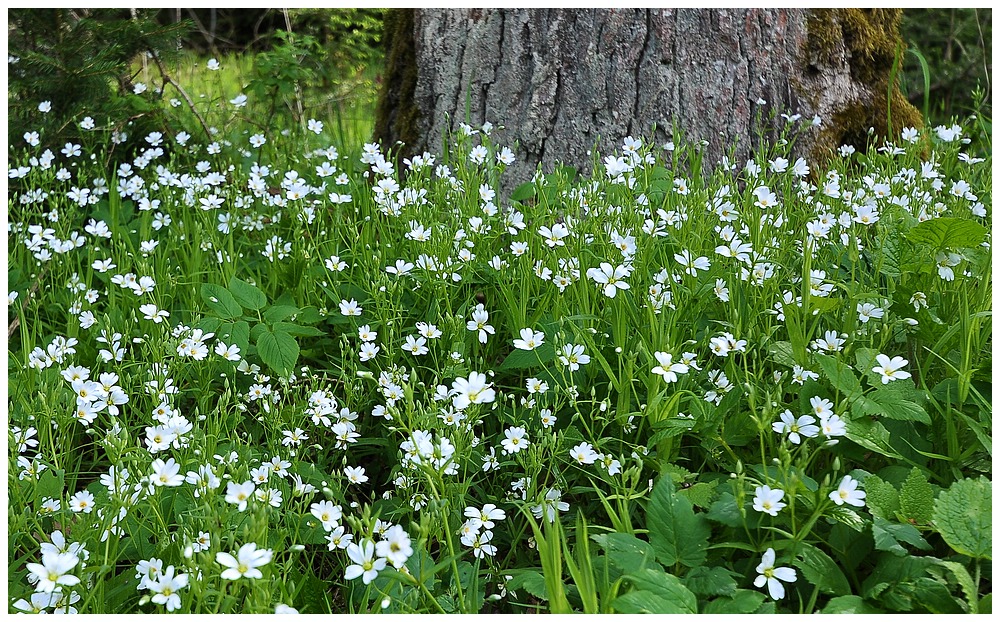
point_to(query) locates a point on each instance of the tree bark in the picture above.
(562, 80)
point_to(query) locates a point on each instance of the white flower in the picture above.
(890, 369)
(471, 390)
(848, 493)
(773, 576)
(550, 506)
(767, 500)
(213, 65)
(480, 317)
(54, 571)
(365, 565)
(529, 340)
(610, 277)
(584, 454)
(516, 440)
(245, 563)
(572, 356)
(395, 547)
(355, 475)
(239, 494)
(667, 368)
(794, 427)
(165, 587)
(350, 308)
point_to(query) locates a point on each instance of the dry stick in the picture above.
(31, 292)
(167, 78)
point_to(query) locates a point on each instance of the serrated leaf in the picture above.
(820, 570)
(715, 581)
(963, 515)
(533, 582)
(296, 330)
(888, 537)
(882, 498)
(743, 601)
(871, 435)
(849, 604)
(964, 580)
(891, 404)
(725, 511)
(677, 534)
(278, 313)
(278, 351)
(840, 375)
(656, 592)
(701, 494)
(916, 498)
(247, 295)
(220, 300)
(939, 233)
(237, 333)
(524, 359)
(625, 550)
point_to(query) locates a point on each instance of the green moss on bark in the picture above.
(870, 38)
(396, 115)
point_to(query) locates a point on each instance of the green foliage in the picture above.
(677, 533)
(916, 498)
(81, 61)
(964, 517)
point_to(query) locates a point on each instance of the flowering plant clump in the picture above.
(256, 370)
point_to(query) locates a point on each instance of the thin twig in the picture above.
(167, 78)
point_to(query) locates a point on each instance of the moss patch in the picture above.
(396, 114)
(871, 40)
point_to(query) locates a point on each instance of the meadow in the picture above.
(263, 366)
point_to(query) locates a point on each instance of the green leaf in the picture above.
(715, 581)
(916, 498)
(940, 233)
(965, 581)
(524, 191)
(50, 484)
(247, 295)
(871, 435)
(277, 313)
(656, 592)
(221, 301)
(523, 359)
(849, 604)
(532, 581)
(278, 351)
(298, 331)
(888, 536)
(840, 375)
(701, 494)
(743, 601)
(677, 534)
(891, 404)
(235, 333)
(820, 570)
(882, 498)
(963, 515)
(725, 511)
(625, 550)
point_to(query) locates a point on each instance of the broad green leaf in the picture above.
(916, 498)
(820, 570)
(963, 515)
(940, 233)
(532, 581)
(965, 581)
(249, 296)
(677, 534)
(882, 498)
(50, 484)
(524, 359)
(743, 601)
(871, 435)
(840, 375)
(278, 351)
(237, 333)
(888, 536)
(298, 331)
(725, 511)
(657, 592)
(715, 581)
(278, 313)
(625, 550)
(849, 604)
(523, 192)
(221, 301)
(891, 404)
(701, 494)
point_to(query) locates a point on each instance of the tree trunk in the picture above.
(562, 80)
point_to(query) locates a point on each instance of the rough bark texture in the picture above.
(562, 80)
